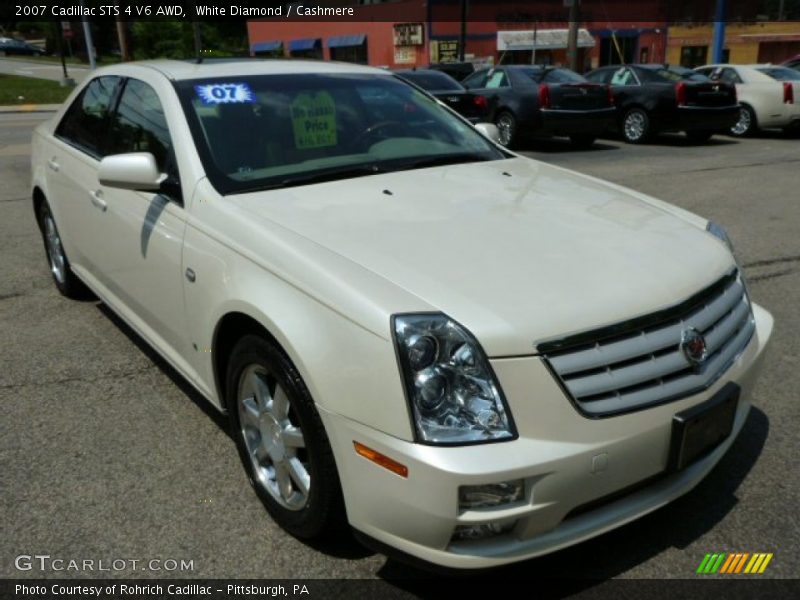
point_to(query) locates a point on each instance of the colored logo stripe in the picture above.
(735, 562)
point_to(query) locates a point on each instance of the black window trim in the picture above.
(176, 198)
(112, 109)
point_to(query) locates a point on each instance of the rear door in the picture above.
(625, 85)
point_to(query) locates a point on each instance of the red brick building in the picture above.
(408, 33)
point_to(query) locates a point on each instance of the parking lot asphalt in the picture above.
(105, 453)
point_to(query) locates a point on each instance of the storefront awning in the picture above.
(546, 39)
(266, 46)
(303, 45)
(346, 41)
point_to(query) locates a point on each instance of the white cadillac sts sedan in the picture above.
(471, 357)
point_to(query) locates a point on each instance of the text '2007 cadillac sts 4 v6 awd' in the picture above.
(470, 357)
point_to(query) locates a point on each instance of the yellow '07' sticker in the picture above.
(314, 120)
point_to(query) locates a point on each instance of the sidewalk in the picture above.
(29, 108)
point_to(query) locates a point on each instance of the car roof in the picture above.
(423, 71)
(209, 69)
(750, 66)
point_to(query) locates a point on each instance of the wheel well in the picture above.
(230, 329)
(38, 200)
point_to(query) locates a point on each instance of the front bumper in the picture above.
(577, 122)
(700, 118)
(558, 453)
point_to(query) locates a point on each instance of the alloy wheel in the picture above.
(274, 440)
(55, 251)
(744, 123)
(505, 127)
(634, 125)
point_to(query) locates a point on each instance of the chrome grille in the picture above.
(627, 368)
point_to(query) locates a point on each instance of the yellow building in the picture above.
(690, 45)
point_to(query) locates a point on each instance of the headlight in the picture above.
(453, 393)
(718, 231)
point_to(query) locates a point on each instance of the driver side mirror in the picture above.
(132, 171)
(489, 130)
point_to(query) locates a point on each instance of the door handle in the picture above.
(53, 164)
(97, 200)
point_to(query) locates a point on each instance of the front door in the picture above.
(142, 234)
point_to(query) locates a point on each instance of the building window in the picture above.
(306, 48)
(693, 56)
(620, 53)
(351, 54)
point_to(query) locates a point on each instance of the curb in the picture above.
(29, 108)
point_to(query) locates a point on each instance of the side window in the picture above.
(476, 80)
(139, 125)
(85, 123)
(623, 77)
(729, 76)
(498, 79)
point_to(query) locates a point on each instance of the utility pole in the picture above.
(198, 42)
(462, 42)
(87, 37)
(572, 37)
(122, 37)
(719, 33)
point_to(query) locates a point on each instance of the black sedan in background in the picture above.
(528, 101)
(11, 47)
(652, 98)
(449, 91)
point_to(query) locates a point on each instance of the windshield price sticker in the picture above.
(225, 93)
(314, 120)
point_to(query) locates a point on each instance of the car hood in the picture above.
(518, 251)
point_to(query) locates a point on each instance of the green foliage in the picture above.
(160, 39)
(175, 39)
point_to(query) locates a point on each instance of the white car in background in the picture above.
(768, 94)
(469, 356)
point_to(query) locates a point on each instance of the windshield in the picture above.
(432, 81)
(780, 73)
(268, 131)
(680, 74)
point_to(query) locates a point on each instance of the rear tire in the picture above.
(66, 281)
(635, 126)
(507, 126)
(281, 440)
(747, 124)
(699, 137)
(582, 142)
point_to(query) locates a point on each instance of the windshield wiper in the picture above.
(443, 159)
(317, 177)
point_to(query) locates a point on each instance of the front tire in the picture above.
(66, 281)
(635, 126)
(281, 440)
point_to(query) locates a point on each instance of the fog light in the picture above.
(490, 495)
(482, 531)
